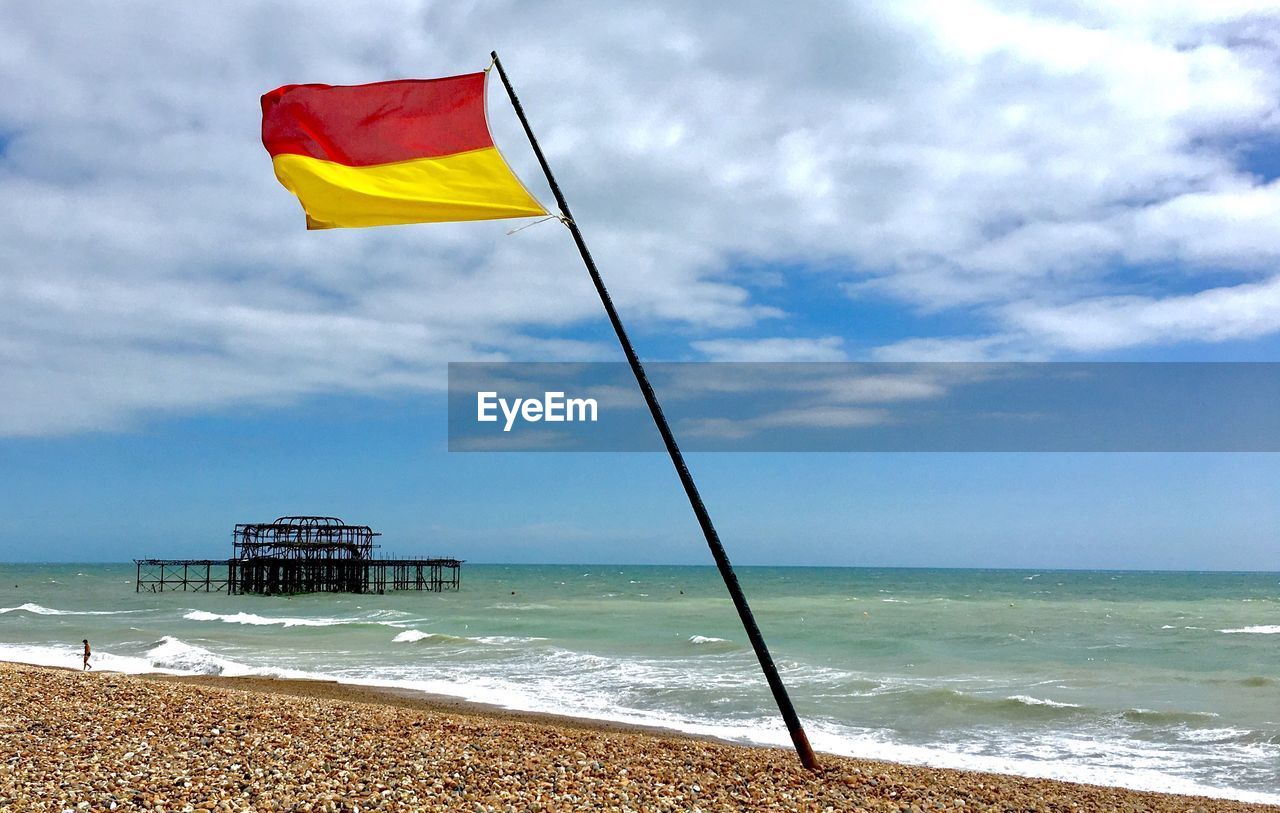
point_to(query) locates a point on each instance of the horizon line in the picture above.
(711, 566)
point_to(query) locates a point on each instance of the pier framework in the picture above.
(299, 555)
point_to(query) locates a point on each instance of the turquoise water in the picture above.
(1166, 681)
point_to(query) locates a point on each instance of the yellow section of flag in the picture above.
(474, 185)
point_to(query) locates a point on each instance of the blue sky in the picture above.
(912, 181)
(176, 489)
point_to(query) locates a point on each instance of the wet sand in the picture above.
(103, 741)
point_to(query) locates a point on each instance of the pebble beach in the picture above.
(101, 741)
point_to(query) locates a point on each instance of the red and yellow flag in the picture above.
(409, 151)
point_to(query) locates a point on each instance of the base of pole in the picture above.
(805, 751)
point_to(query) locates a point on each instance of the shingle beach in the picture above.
(102, 741)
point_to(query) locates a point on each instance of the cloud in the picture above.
(827, 348)
(959, 349)
(961, 155)
(1105, 323)
(808, 418)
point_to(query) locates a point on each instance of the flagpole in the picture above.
(780, 696)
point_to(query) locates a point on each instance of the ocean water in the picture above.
(1160, 681)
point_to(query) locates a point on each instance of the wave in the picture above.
(168, 656)
(68, 657)
(871, 744)
(1173, 717)
(255, 620)
(1218, 735)
(933, 700)
(36, 609)
(708, 644)
(1037, 701)
(507, 639)
(413, 636)
(1265, 629)
(179, 656)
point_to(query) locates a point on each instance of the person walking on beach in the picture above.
(87, 667)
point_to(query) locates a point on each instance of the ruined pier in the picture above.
(299, 555)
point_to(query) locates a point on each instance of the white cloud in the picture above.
(997, 157)
(816, 417)
(958, 349)
(1104, 323)
(826, 348)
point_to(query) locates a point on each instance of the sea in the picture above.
(1147, 680)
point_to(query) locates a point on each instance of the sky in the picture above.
(907, 181)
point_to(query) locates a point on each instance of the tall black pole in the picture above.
(803, 749)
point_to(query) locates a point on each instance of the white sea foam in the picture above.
(70, 657)
(697, 640)
(1265, 629)
(255, 620)
(1211, 734)
(411, 636)
(36, 609)
(252, 619)
(1038, 701)
(180, 656)
(170, 656)
(506, 639)
(175, 655)
(1149, 770)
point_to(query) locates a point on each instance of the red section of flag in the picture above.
(381, 123)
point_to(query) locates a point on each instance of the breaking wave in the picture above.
(180, 656)
(1168, 717)
(413, 636)
(169, 655)
(255, 620)
(1037, 701)
(36, 609)
(709, 643)
(697, 640)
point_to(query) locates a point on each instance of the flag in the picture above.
(408, 151)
